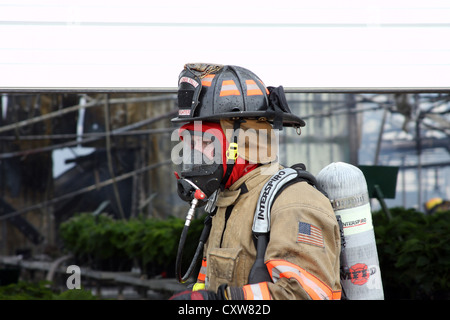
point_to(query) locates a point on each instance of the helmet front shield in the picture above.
(189, 88)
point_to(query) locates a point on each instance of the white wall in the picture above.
(97, 43)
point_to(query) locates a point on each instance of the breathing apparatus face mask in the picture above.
(202, 164)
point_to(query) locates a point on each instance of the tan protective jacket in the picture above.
(303, 252)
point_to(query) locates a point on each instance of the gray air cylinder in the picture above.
(346, 187)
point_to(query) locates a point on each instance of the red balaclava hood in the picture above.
(241, 167)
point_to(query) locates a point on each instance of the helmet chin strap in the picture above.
(232, 152)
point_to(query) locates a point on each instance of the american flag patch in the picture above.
(307, 233)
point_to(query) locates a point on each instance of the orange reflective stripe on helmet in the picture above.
(206, 81)
(202, 273)
(313, 286)
(258, 291)
(252, 88)
(267, 90)
(229, 88)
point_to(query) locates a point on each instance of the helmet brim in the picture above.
(287, 119)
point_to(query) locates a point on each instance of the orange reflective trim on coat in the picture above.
(313, 286)
(257, 291)
(206, 81)
(202, 273)
(252, 88)
(229, 88)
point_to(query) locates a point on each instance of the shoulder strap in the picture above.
(279, 181)
(261, 220)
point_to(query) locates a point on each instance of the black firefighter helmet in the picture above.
(212, 92)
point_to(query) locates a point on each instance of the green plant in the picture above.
(151, 242)
(26, 291)
(414, 253)
(75, 294)
(41, 291)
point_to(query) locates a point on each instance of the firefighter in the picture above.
(229, 140)
(436, 205)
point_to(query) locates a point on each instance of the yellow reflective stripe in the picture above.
(198, 286)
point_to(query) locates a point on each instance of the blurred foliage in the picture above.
(414, 253)
(151, 243)
(413, 248)
(41, 291)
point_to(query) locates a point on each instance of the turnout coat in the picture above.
(302, 255)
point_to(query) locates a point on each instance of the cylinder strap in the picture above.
(350, 202)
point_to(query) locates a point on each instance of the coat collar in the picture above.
(247, 182)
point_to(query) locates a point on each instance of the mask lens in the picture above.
(201, 152)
